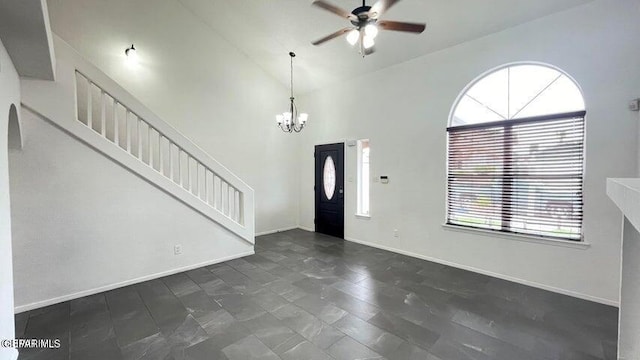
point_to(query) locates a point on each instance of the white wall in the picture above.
(199, 83)
(95, 212)
(9, 94)
(404, 111)
(83, 224)
(629, 341)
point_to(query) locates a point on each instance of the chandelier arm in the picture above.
(295, 120)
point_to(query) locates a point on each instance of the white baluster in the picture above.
(222, 183)
(231, 199)
(149, 142)
(216, 196)
(206, 186)
(236, 200)
(197, 178)
(139, 136)
(127, 130)
(180, 166)
(103, 113)
(89, 106)
(189, 172)
(225, 199)
(116, 126)
(160, 153)
(172, 176)
(230, 195)
(240, 208)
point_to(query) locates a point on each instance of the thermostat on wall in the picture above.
(384, 179)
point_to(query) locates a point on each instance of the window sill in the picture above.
(363, 217)
(520, 237)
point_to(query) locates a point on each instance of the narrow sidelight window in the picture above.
(364, 178)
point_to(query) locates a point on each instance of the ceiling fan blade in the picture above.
(401, 26)
(381, 7)
(332, 8)
(332, 36)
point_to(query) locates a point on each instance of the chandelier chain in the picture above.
(291, 76)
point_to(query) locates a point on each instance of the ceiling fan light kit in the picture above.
(366, 23)
(290, 120)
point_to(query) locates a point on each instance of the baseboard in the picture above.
(269, 232)
(40, 304)
(306, 229)
(489, 273)
(13, 353)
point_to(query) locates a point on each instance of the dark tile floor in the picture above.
(308, 296)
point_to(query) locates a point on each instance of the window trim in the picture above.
(537, 239)
(542, 118)
(577, 243)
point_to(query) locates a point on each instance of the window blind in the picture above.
(520, 176)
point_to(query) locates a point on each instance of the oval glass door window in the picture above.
(329, 177)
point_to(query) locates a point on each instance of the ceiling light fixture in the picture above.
(367, 42)
(131, 53)
(365, 24)
(290, 121)
(353, 37)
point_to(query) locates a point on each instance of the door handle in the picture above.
(341, 191)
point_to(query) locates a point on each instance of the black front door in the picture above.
(329, 188)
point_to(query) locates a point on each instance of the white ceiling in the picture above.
(267, 30)
(26, 34)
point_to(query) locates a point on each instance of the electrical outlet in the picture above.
(634, 105)
(177, 250)
(395, 233)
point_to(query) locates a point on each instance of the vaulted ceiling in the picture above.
(265, 31)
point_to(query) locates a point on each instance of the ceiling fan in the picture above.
(365, 21)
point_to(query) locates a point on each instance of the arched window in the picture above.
(516, 152)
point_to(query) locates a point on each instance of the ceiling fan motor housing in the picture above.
(362, 16)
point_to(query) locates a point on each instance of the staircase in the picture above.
(87, 104)
(104, 185)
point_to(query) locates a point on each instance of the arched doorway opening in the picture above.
(14, 135)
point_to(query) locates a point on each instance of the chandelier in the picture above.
(290, 120)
